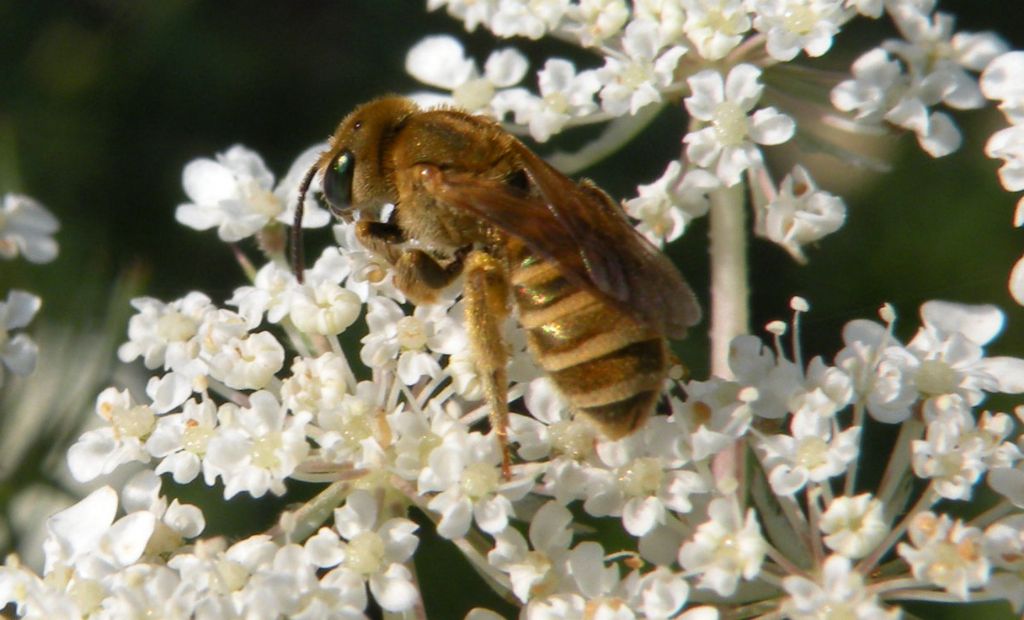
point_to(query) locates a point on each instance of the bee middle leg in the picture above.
(487, 295)
(417, 274)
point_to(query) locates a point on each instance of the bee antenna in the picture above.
(297, 254)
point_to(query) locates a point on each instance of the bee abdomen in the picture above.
(609, 366)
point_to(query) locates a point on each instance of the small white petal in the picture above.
(769, 126)
(394, 590)
(1017, 280)
(439, 61)
(979, 323)
(743, 87)
(506, 67)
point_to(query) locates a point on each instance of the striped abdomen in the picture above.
(609, 366)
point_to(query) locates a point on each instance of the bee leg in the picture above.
(381, 238)
(421, 277)
(417, 274)
(486, 295)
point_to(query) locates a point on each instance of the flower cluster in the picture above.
(409, 436)
(333, 378)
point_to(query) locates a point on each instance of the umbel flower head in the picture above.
(746, 495)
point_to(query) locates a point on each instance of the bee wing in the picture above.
(581, 229)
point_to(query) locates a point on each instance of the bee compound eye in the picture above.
(338, 182)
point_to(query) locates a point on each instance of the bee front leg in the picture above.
(417, 274)
(486, 295)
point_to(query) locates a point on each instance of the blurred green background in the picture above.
(102, 103)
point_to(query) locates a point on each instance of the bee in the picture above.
(596, 299)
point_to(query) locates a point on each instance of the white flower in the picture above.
(175, 520)
(27, 228)
(440, 61)
(778, 382)
(464, 471)
(316, 385)
(471, 12)
(373, 551)
(537, 568)
(270, 294)
(257, 447)
(346, 423)
(643, 477)
(801, 213)
(395, 336)
(248, 363)
(1004, 542)
(87, 538)
(853, 525)
(636, 77)
(880, 369)
(236, 193)
(180, 441)
(716, 27)
(951, 360)
(594, 21)
(728, 144)
(564, 95)
(940, 59)
(792, 25)
(946, 553)
(527, 18)
(101, 451)
(1003, 81)
(668, 15)
(323, 308)
(839, 592)
(810, 454)
(725, 548)
(1008, 145)
(873, 89)
(145, 590)
(721, 412)
(364, 272)
(162, 334)
(667, 206)
(958, 448)
(17, 354)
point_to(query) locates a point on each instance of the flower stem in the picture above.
(730, 294)
(730, 315)
(302, 523)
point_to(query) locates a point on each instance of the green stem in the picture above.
(302, 523)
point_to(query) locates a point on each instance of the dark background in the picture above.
(102, 103)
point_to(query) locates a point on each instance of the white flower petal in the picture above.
(769, 126)
(439, 61)
(394, 590)
(506, 67)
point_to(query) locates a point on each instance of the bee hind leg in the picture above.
(486, 295)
